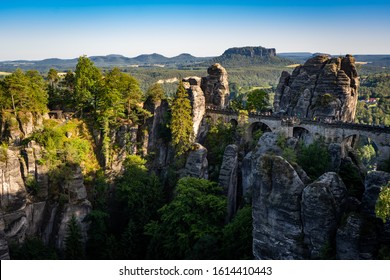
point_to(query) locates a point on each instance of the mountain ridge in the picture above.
(232, 57)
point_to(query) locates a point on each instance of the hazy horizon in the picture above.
(35, 30)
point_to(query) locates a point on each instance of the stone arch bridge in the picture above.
(335, 132)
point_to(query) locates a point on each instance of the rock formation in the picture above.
(32, 205)
(323, 87)
(197, 165)
(322, 207)
(198, 103)
(215, 86)
(294, 218)
(228, 177)
(277, 224)
(250, 51)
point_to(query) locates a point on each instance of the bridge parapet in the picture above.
(296, 121)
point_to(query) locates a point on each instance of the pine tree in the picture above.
(181, 122)
(73, 241)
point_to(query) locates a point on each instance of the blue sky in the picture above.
(70, 28)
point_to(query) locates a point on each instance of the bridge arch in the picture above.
(255, 127)
(233, 122)
(303, 134)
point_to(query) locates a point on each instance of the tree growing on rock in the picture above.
(73, 241)
(181, 121)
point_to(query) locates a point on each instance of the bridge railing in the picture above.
(288, 120)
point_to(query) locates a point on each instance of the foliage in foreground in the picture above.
(190, 226)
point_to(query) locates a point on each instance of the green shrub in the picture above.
(32, 185)
(314, 159)
(382, 207)
(3, 152)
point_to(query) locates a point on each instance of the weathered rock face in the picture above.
(198, 103)
(228, 177)
(15, 128)
(80, 211)
(197, 165)
(215, 86)
(348, 239)
(322, 88)
(277, 225)
(22, 214)
(267, 144)
(125, 139)
(153, 134)
(4, 254)
(12, 190)
(335, 153)
(322, 205)
(294, 218)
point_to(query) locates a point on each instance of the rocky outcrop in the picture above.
(79, 211)
(322, 205)
(13, 193)
(335, 153)
(215, 86)
(277, 225)
(348, 238)
(198, 103)
(27, 199)
(228, 178)
(196, 165)
(154, 134)
(323, 87)
(267, 144)
(250, 51)
(4, 253)
(125, 139)
(295, 218)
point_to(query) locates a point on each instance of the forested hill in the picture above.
(233, 57)
(108, 61)
(251, 56)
